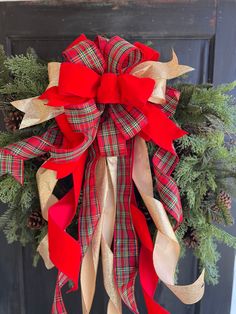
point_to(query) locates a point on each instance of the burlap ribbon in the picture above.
(166, 249)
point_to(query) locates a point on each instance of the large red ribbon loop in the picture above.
(78, 83)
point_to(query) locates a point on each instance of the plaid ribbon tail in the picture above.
(89, 213)
(58, 306)
(12, 165)
(164, 164)
(125, 240)
(13, 155)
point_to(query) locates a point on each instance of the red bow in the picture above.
(78, 83)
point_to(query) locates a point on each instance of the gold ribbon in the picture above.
(160, 72)
(114, 305)
(166, 249)
(106, 172)
(46, 181)
(43, 250)
(36, 110)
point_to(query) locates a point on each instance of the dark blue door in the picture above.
(202, 32)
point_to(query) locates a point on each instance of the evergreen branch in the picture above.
(223, 236)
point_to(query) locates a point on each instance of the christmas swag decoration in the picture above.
(107, 100)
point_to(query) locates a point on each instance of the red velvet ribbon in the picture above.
(77, 84)
(65, 251)
(161, 129)
(147, 273)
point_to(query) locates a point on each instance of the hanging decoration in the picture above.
(108, 98)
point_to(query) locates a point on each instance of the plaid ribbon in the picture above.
(58, 306)
(164, 164)
(125, 239)
(107, 130)
(86, 53)
(90, 211)
(13, 156)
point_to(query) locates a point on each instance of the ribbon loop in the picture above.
(86, 52)
(120, 55)
(77, 80)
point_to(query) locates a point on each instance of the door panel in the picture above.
(196, 31)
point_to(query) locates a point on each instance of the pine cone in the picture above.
(13, 120)
(35, 220)
(224, 199)
(190, 238)
(220, 211)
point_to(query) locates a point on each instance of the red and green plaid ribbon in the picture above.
(125, 239)
(12, 157)
(164, 164)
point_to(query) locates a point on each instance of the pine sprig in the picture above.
(223, 236)
(4, 71)
(207, 163)
(28, 77)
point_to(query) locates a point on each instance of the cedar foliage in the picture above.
(206, 167)
(207, 161)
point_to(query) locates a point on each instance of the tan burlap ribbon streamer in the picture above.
(46, 181)
(106, 173)
(160, 72)
(106, 190)
(35, 110)
(166, 249)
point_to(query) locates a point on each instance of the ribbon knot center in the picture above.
(108, 88)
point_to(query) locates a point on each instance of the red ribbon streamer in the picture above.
(148, 276)
(60, 215)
